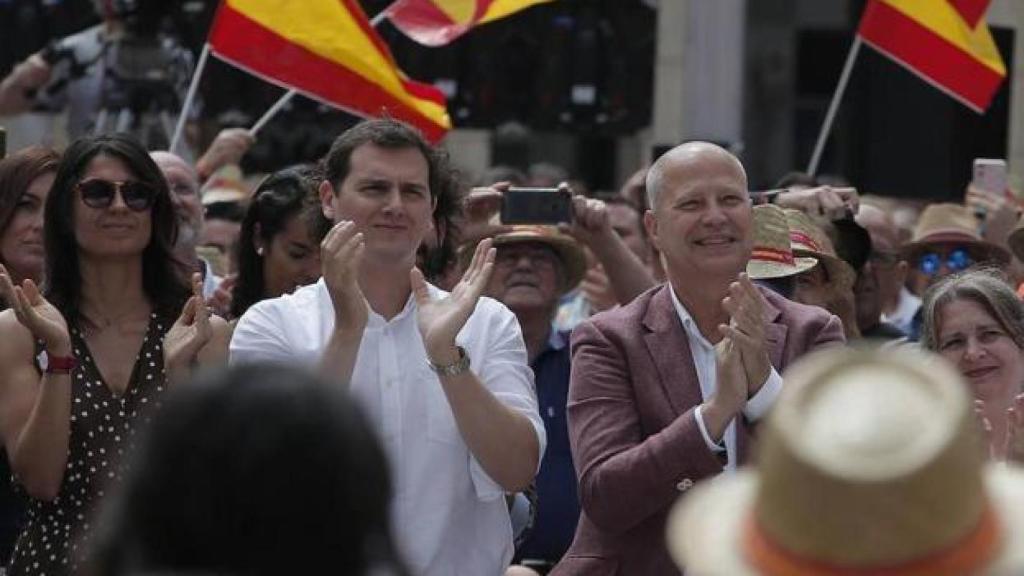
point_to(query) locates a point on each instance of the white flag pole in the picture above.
(826, 127)
(284, 99)
(190, 96)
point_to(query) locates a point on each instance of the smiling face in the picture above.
(701, 218)
(982, 350)
(526, 277)
(115, 230)
(21, 241)
(386, 193)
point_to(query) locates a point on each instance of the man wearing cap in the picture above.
(533, 267)
(665, 390)
(946, 241)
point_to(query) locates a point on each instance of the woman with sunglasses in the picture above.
(976, 321)
(84, 363)
(279, 245)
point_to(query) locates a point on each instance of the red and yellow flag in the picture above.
(438, 22)
(946, 42)
(328, 50)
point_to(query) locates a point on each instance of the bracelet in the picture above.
(60, 364)
(453, 369)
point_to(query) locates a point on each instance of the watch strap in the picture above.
(453, 369)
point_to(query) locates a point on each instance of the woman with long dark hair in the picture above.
(84, 363)
(279, 245)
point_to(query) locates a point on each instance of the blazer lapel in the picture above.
(670, 351)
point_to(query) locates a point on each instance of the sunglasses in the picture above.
(99, 194)
(931, 262)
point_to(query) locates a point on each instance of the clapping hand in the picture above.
(746, 328)
(441, 320)
(341, 255)
(34, 312)
(190, 332)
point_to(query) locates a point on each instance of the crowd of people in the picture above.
(362, 369)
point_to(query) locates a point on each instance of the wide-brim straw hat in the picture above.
(947, 223)
(772, 256)
(808, 240)
(569, 251)
(871, 463)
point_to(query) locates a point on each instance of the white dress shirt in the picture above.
(906, 308)
(704, 362)
(449, 516)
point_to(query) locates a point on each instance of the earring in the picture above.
(259, 250)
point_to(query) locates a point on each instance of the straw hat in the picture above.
(952, 224)
(225, 185)
(772, 256)
(870, 464)
(573, 258)
(809, 240)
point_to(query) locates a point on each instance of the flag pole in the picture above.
(833, 107)
(284, 99)
(190, 96)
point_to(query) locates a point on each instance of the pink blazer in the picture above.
(635, 441)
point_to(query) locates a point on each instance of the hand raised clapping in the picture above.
(35, 313)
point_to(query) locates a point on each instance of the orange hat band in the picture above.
(798, 237)
(764, 253)
(966, 556)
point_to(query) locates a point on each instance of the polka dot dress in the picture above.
(102, 429)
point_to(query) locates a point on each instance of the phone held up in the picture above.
(989, 174)
(536, 206)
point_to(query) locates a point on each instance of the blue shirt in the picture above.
(558, 507)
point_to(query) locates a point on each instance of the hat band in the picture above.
(965, 556)
(801, 238)
(764, 253)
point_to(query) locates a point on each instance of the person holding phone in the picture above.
(86, 360)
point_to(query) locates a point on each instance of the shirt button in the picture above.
(684, 485)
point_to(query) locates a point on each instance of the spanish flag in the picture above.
(325, 49)
(946, 42)
(438, 22)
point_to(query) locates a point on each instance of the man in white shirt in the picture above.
(443, 376)
(665, 391)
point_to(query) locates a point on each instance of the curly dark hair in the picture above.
(164, 276)
(444, 180)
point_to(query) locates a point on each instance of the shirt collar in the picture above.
(689, 324)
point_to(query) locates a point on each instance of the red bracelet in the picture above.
(60, 364)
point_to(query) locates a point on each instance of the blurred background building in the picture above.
(599, 85)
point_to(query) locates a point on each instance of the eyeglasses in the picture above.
(931, 262)
(99, 194)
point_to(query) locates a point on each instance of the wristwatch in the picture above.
(453, 369)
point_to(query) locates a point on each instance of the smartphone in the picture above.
(536, 206)
(990, 175)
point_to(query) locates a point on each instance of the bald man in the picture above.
(188, 207)
(665, 391)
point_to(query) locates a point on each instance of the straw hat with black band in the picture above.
(772, 255)
(952, 224)
(572, 256)
(870, 464)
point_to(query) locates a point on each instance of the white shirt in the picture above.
(449, 516)
(704, 362)
(906, 308)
